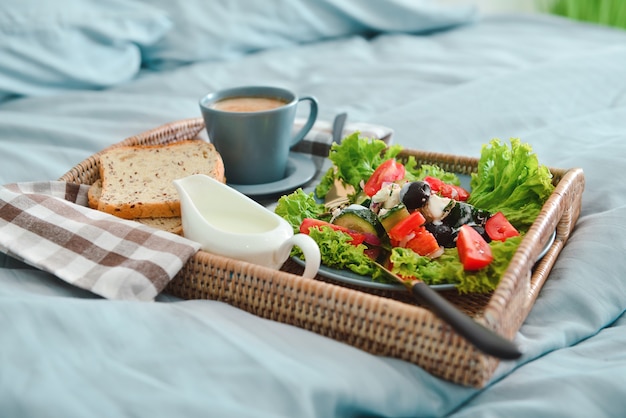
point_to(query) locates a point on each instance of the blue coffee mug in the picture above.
(254, 141)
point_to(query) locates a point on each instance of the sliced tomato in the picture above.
(474, 251)
(424, 243)
(405, 227)
(308, 223)
(461, 194)
(499, 228)
(434, 183)
(388, 172)
(443, 189)
(411, 233)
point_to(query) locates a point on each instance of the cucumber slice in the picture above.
(362, 199)
(360, 219)
(393, 216)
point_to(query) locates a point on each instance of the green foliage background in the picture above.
(604, 12)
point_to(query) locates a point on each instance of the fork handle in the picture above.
(482, 337)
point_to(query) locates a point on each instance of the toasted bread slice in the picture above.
(173, 225)
(137, 181)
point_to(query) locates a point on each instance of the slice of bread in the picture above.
(173, 224)
(137, 181)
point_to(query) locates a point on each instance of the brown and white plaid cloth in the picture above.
(47, 225)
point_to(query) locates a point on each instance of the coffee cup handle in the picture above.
(311, 252)
(310, 121)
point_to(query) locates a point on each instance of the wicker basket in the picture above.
(379, 322)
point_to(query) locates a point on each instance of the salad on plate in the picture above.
(417, 219)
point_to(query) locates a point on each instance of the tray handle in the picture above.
(569, 195)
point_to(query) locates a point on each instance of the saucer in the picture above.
(300, 169)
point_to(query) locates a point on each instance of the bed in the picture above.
(78, 77)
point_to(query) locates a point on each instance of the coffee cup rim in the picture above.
(248, 91)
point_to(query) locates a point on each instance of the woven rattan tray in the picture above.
(386, 324)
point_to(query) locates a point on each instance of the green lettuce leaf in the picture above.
(297, 206)
(335, 248)
(511, 180)
(354, 161)
(337, 252)
(449, 269)
(415, 172)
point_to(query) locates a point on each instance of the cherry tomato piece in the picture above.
(474, 251)
(443, 189)
(388, 172)
(434, 183)
(406, 226)
(411, 233)
(499, 228)
(424, 243)
(307, 223)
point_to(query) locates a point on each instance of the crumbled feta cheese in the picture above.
(435, 210)
(388, 195)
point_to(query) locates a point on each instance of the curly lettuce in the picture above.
(448, 268)
(297, 206)
(335, 248)
(511, 180)
(415, 172)
(354, 161)
(337, 252)
(356, 158)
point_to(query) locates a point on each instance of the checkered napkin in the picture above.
(47, 225)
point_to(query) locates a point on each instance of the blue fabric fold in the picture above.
(226, 29)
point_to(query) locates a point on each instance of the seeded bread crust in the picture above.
(94, 193)
(137, 181)
(173, 225)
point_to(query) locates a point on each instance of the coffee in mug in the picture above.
(252, 129)
(248, 104)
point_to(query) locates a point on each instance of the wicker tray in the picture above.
(381, 323)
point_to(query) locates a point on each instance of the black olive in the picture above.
(463, 213)
(444, 234)
(415, 195)
(481, 216)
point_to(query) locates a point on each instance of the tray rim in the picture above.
(374, 322)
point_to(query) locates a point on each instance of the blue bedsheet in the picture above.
(450, 87)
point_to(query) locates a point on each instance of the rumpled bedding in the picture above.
(447, 80)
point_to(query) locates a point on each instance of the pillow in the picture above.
(223, 29)
(48, 46)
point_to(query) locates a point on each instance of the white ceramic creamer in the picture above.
(226, 222)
